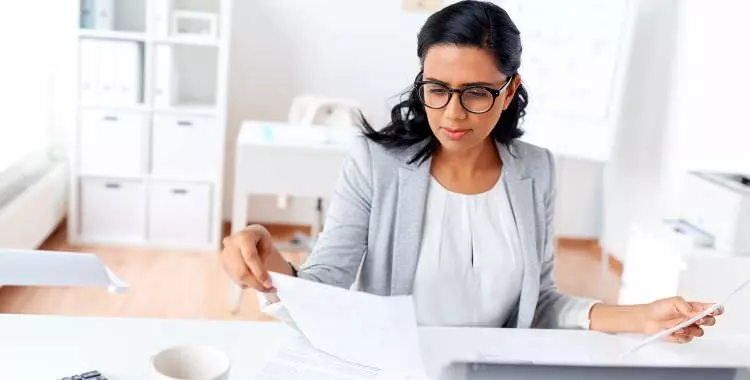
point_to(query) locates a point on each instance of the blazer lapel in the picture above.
(520, 190)
(413, 182)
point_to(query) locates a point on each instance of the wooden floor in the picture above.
(188, 285)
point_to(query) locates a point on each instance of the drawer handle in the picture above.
(112, 185)
(179, 191)
(111, 118)
(184, 123)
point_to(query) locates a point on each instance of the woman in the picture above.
(445, 204)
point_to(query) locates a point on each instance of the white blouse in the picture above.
(470, 265)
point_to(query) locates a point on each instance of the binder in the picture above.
(104, 17)
(88, 10)
(126, 73)
(89, 72)
(163, 77)
(111, 73)
(162, 10)
(106, 80)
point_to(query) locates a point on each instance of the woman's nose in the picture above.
(454, 110)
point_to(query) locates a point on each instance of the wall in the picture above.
(711, 113)
(578, 211)
(686, 109)
(360, 49)
(634, 178)
(365, 50)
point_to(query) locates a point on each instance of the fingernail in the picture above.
(267, 284)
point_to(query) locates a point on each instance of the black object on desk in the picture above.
(91, 375)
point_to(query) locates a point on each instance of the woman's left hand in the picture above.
(669, 312)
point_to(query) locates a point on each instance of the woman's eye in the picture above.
(476, 93)
(438, 91)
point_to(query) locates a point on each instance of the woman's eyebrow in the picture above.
(465, 84)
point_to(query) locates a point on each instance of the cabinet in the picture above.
(179, 213)
(112, 210)
(149, 144)
(185, 147)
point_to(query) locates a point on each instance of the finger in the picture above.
(718, 311)
(253, 262)
(707, 321)
(699, 306)
(684, 307)
(228, 261)
(238, 271)
(694, 331)
(679, 338)
(669, 323)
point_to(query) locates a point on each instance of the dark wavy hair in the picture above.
(467, 23)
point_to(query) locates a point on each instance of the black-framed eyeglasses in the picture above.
(475, 99)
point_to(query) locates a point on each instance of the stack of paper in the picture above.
(372, 331)
(111, 72)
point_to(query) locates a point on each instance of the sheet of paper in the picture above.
(688, 322)
(299, 360)
(375, 331)
(48, 268)
(549, 347)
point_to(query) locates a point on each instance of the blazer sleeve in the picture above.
(554, 308)
(336, 257)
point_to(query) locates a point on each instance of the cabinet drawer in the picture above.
(185, 147)
(111, 142)
(179, 213)
(112, 210)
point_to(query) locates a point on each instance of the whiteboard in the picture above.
(573, 65)
(710, 104)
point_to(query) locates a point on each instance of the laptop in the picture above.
(530, 371)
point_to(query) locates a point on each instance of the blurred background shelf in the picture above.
(150, 139)
(113, 35)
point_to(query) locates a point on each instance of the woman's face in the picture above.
(459, 67)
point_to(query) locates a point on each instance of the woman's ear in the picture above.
(511, 92)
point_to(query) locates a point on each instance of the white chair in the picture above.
(307, 109)
(325, 112)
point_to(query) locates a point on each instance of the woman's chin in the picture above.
(457, 146)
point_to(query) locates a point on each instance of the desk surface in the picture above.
(267, 133)
(48, 347)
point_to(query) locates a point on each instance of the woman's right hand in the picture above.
(249, 254)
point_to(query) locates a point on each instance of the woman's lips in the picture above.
(455, 134)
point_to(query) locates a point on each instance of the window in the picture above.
(26, 68)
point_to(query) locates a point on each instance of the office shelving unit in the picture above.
(147, 157)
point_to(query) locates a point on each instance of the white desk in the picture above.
(48, 347)
(285, 159)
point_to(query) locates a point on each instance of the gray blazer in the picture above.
(373, 229)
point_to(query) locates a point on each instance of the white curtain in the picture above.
(29, 36)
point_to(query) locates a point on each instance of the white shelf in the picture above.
(113, 35)
(113, 176)
(188, 41)
(182, 79)
(135, 108)
(186, 180)
(201, 110)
